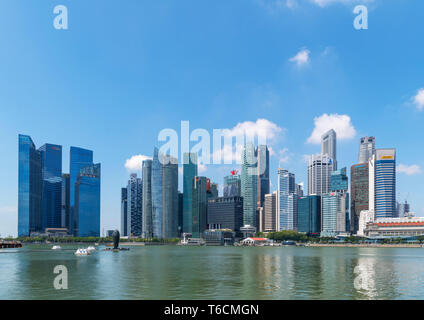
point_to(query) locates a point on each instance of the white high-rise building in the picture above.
(365, 217)
(366, 149)
(329, 146)
(286, 206)
(320, 167)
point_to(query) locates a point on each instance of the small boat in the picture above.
(56, 248)
(82, 252)
(91, 249)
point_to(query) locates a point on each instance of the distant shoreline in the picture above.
(366, 245)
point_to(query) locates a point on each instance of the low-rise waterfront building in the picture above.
(395, 227)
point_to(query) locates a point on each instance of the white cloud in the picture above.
(409, 170)
(135, 163)
(341, 123)
(301, 58)
(261, 128)
(201, 168)
(419, 99)
(284, 156)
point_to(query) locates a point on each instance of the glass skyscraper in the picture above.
(200, 206)
(329, 146)
(385, 183)
(190, 171)
(65, 201)
(29, 187)
(339, 180)
(170, 198)
(51, 169)
(359, 189)
(263, 173)
(287, 215)
(124, 212)
(157, 193)
(249, 184)
(309, 215)
(147, 220)
(135, 205)
(87, 201)
(79, 159)
(334, 213)
(232, 186)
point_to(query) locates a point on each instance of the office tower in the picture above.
(334, 213)
(319, 174)
(87, 201)
(359, 188)
(329, 146)
(270, 212)
(147, 206)
(309, 215)
(65, 216)
(124, 212)
(402, 209)
(225, 213)
(79, 159)
(339, 181)
(213, 190)
(51, 170)
(366, 149)
(371, 184)
(170, 197)
(385, 183)
(180, 213)
(232, 186)
(263, 173)
(135, 205)
(157, 182)
(200, 206)
(286, 206)
(29, 187)
(249, 185)
(189, 172)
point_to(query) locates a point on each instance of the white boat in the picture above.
(56, 248)
(91, 248)
(82, 252)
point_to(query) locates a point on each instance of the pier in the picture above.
(10, 244)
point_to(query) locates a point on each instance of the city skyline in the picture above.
(115, 94)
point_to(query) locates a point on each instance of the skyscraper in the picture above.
(124, 212)
(385, 183)
(334, 214)
(200, 206)
(225, 213)
(263, 173)
(157, 176)
(249, 184)
(232, 186)
(309, 214)
(329, 146)
(79, 159)
(51, 169)
(170, 197)
(339, 180)
(147, 220)
(366, 149)
(87, 201)
(29, 187)
(65, 216)
(190, 171)
(319, 174)
(135, 202)
(270, 212)
(359, 188)
(286, 205)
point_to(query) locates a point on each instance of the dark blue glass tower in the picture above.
(87, 202)
(51, 168)
(29, 187)
(79, 159)
(309, 215)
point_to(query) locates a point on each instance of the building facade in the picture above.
(263, 173)
(147, 220)
(225, 213)
(320, 168)
(359, 189)
(189, 172)
(200, 206)
(124, 212)
(385, 183)
(329, 146)
(170, 198)
(232, 186)
(309, 215)
(286, 206)
(334, 214)
(366, 149)
(270, 212)
(157, 201)
(249, 185)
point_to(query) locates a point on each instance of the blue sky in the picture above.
(125, 70)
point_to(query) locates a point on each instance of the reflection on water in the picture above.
(170, 272)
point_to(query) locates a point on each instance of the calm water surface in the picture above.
(173, 272)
